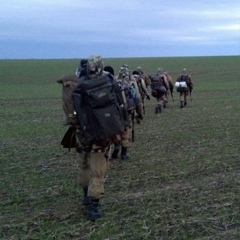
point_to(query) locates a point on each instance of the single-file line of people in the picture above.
(101, 109)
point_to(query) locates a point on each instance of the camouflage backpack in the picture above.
(138, 80)
(157, 85)
(130, 94)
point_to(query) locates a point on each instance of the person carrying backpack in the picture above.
(142, 88)
(159, 87)
(166, 84)
(120, 94)
(97, 124)
(143, 75)
(81, 70)
(184, 86)
(132, 101)
(170, 83)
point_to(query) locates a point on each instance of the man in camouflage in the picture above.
(124, 78)
(162, 99)
(184, 77)
(170, 83)
(142, 88)
(143, 76)
(94, 157)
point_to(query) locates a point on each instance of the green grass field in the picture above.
(181, 182)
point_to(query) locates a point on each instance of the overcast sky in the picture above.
(118, 28)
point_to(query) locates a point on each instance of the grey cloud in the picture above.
(119, 24)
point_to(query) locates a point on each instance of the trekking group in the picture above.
(101, 109)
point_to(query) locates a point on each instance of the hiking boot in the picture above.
(138, 119)
(156, 109)
(181, 106)
(115, 151)
(165, 103)
(185, 104)
(94, 209)
(124, 155)
(85, 200)
(159, 109)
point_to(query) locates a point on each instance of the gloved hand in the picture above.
(148, 97)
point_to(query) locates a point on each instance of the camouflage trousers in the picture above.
(162, 100)
(126, 134)
(92, 171)
(125, 137)
(183, 96)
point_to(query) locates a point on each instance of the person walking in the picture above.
(133, 104)
(184, 86)
(94, 156)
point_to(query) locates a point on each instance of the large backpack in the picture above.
(138, 78)
(183, 84)
(130, 94)
(157, 85)
(97, 110)
(69, 84)
(140, 86)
